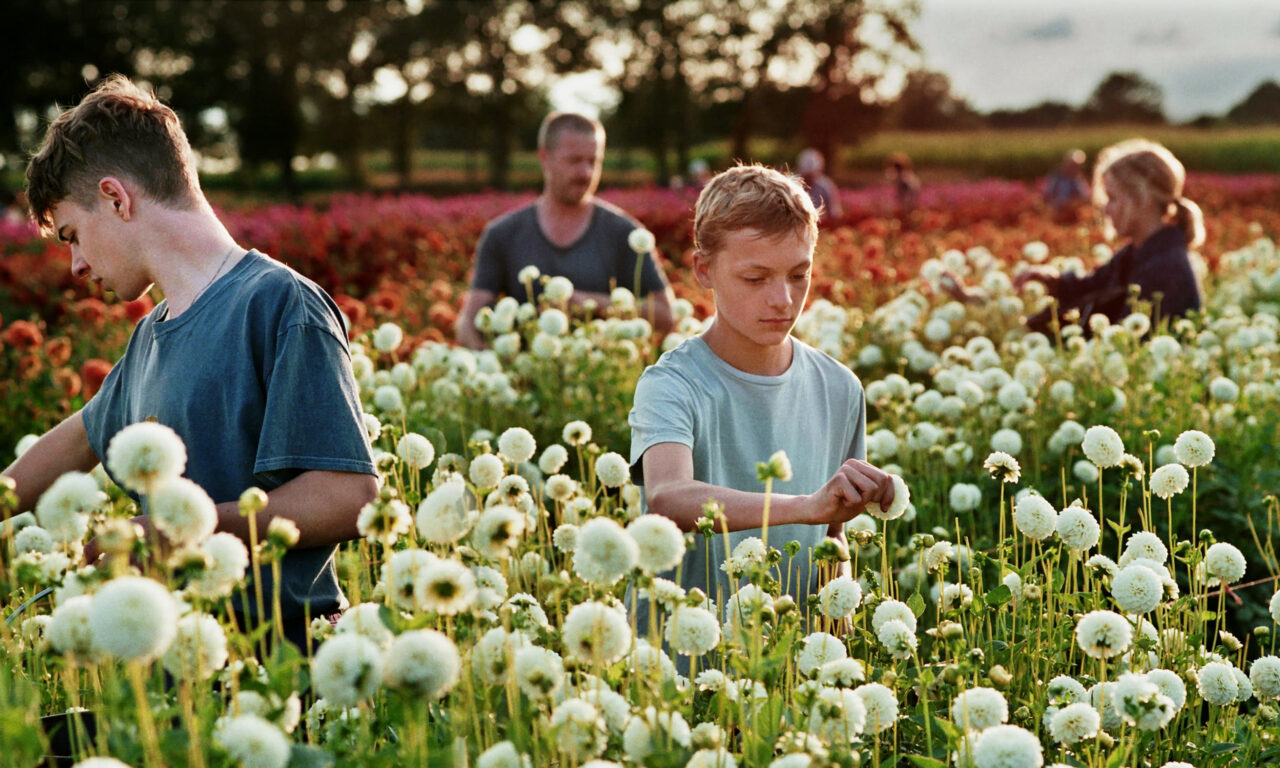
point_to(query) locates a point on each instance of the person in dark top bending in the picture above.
(1138, 184)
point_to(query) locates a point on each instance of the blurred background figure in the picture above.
(906, 185)
(699, 174)
(822, 190)
(1066, 191)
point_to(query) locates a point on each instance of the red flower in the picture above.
(93, 372)
(23, 334)
(136, 310)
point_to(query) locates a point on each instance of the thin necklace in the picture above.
(216, 272)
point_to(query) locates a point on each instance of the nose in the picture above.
(779, 294)
(79, 267)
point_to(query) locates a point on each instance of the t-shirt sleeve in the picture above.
(858, 444)
(662, 412)
(312, 419)
(488, 267)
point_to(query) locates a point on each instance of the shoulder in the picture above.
(511, 220)
(278, 293)
(614, 217)
(820, 368)
(678, 369)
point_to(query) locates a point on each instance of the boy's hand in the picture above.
(1043, 275)
(847, 493)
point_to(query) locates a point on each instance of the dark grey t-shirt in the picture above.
(255, 377)
(597, 258)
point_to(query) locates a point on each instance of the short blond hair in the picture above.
(752, 197)
(1147, 170)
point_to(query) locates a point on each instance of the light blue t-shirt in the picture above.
(255, 377)
(731, 420)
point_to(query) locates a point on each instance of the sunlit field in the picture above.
(1079, 568)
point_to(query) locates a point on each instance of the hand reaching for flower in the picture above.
(846, 495)
(1044, 275)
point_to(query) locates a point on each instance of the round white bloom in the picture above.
(1170, 685)
(227, 559)
(553, 322)
(70, 629)
(1144, 545)
(819, 648)
(1245, 686)
(1074, 723)
(503, 755)
(1008, 441)
(1064, 690)
(365, 620)
(1274, 607)
(901, 500)
(486, 470)
(692, 631)
(446, 587)
(1141, 704)
(837, 715)
(596, 633)
(1103, 634)
(1217, 683)
(1264, 674)
(1078, 528)
(641, 241)
(612, 470)
(651, 730)
(1224, 389)
(1007, 746)
(388, 337)
(1194, 448)
(553, 458)
(1012, 396)
(558, 289)
(1169, 480)
(660, 543)
(143, 455)
(64, 507)
(977, 709)
(965, 497)
(1224, 562)
(576, 433)
(400, 577)
(388, 399)
(498, 531)
(897, 638)
(133, 618)
(443, 517)
(253, 741)
(493, 655)
(415, 451)
(580, 731)
(182, 511)
(604, 552)
(712, 758)
(100, 762)
(346, 669)
(33, 538)
(1035, 517)
(517, 444)
(841, 673)
(199, 648)
(839, 597)
(538, 672)
(1103, 446)
(880, 704)
(891, 610)
(1136, 589)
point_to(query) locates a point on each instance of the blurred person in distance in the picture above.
(822, 190)
(1066, 189)
(906, 185)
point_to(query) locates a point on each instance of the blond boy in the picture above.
(713, 407)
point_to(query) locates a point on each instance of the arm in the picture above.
(65, 448)
(953, 286)
(671, 491)
(465, 331)
(323, 504)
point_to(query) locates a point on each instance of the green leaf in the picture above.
(1000, 595)
(916, 604)
(1222, 748)
(306, 756)
(926, 762)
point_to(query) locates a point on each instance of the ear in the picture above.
(116, 195)
(702, 269)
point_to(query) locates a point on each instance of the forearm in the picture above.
(324, 506)
(65, 448)
(683, 502)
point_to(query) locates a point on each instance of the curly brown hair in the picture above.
(119, 129)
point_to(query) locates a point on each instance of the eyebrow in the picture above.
(807, 264)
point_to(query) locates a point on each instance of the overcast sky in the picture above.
(1207, 55)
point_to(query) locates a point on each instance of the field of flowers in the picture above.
(1082, 572)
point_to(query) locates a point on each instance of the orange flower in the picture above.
(442, 316)
(23, 334)
(58, 351)
(68, 381)
(90, 310)
(93, 372)
(136, 310)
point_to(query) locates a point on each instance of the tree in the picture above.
(1046, 114)
(1125, 97)
(926, 103)
(1260, 107)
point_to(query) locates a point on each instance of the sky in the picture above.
(1206, 55)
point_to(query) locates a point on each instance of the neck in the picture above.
(552, 207)
(1144, 231)
(746, 355)
(187, 253)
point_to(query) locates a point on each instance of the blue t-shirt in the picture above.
(255, 377)
(731, 419)
(596, 262)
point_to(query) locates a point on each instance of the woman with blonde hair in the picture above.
(1138, 186)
